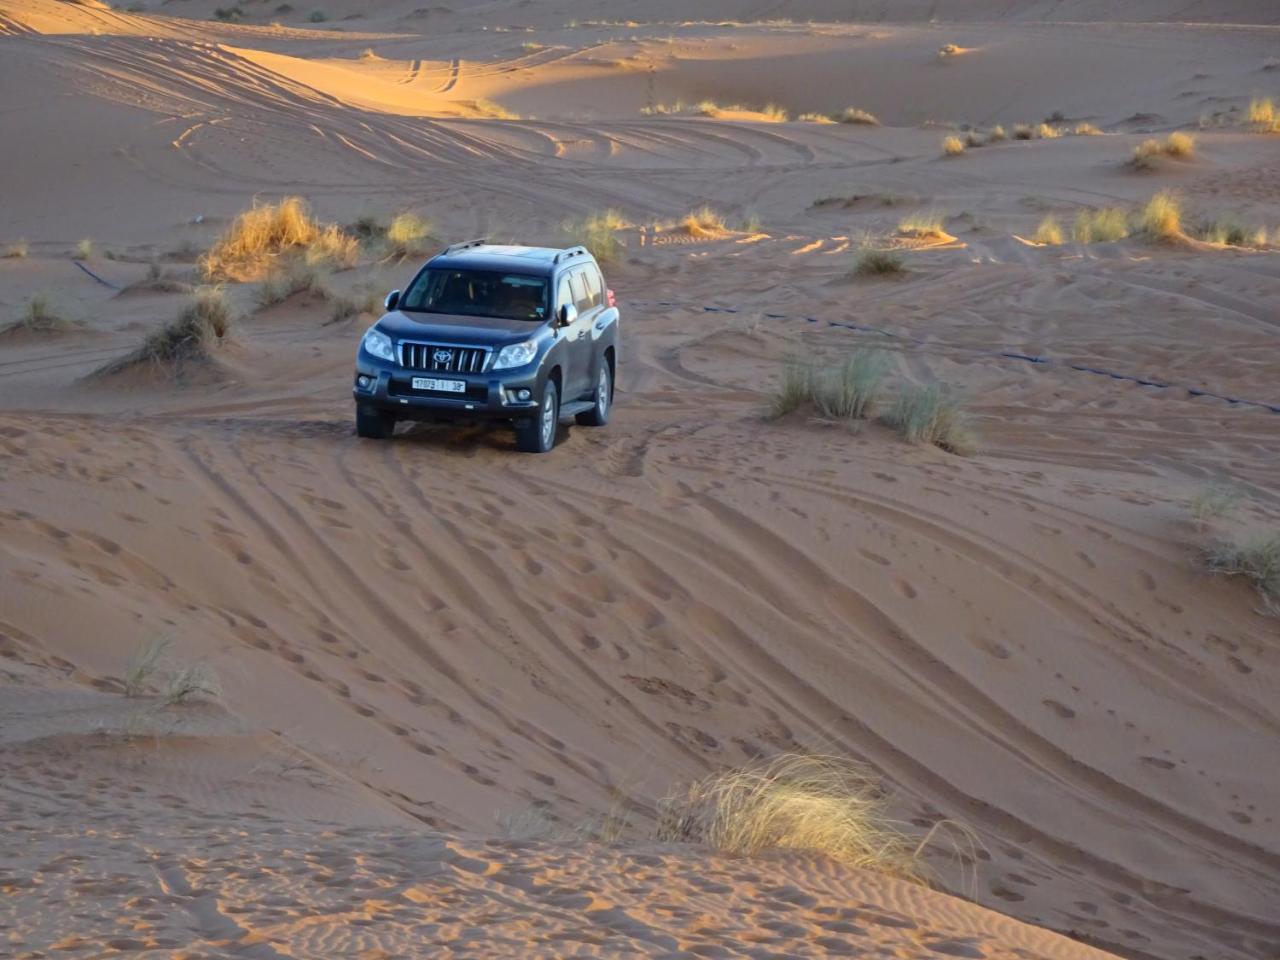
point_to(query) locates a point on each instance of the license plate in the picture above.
(444, 386)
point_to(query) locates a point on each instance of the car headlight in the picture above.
(378, 344)
(515, 355)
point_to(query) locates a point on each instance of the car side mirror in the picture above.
(393, 298)
(567, 314)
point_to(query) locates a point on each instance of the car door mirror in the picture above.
(393, 299)
(567, 314)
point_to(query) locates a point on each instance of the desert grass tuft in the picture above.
(1023, 131)
(702, 222)
(1049, 232)
(1212, 502)
(814, 118)
(1161, 218)
(1257, 559)
(875, 261)
(850, 389)
(1100, 226)
(17, 250)
(158, 281)
(406, 235)
(195, 681)
(598, 232)
(1180, 145)
(1047, 131)
(364, 301)
(822, 805)
(1085, 129)
(281, 284)
(143, 665)
(1264, 115)
(952, 146)
(924, 225)
(948, 50)
(854, 115)
(925, 415)
(997, 134)
(39, 316)
(794, 389)
(267, 231)
(84, 250)
(201, 325)
(1230, 232)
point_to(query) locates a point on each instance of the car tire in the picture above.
(598, 415)
(374, 425)
(539, 434)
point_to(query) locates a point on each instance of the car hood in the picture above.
(451, 328)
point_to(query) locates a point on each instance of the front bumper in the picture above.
(492, 395)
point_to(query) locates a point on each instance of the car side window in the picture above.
(580, 298)
(595, 288)
(563, 293)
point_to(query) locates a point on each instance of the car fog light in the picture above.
(523, 394)
(364, 382)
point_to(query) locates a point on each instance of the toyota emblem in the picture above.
(443, 356)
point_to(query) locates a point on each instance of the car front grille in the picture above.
(442, 358)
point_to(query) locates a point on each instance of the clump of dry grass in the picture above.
(1230, 232)
(1257, 559)
(1049, 232)
(84, 250)
(1214, 501)
(259, 236)
(815, 118)
(363, 301)
(924, 225)
(844, 392)
(875, 261)
(195, 681)
(202, 324)
(702, 223)
(1046, 131)
(854, 115)
(952, 146)
(406, 234)
(1264, 115)
(1023, 131)
(281, 284)
(142, 666)
(17, 250)
(1179, 145)
(39, 316)
(925, 415)
(822, 805)
(1085, 129)
(1161, 218)
(974, 139)
(598, 232)
(949, 50)
(492, 111)
(997, 134)
(1105, 225)
(158, 281)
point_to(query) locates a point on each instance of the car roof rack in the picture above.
(578, 251)
(465, 245)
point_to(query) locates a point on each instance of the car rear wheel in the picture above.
(598, 415)
(539, 434)
(373, 424)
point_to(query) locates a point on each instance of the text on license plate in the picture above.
(445, 386)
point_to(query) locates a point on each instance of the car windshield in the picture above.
(478, 293)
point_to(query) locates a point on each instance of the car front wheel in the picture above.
(539, 434)
(373, 425)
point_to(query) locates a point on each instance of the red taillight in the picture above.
(613, 301)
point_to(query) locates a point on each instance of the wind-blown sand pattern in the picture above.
(425, 644)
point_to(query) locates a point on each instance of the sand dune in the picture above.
(424, 642)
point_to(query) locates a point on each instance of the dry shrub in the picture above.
(1264, 115)
(1256, 559)
(1181, 145)
(822, 805)
(598, 232)
(1230, 232)
(774, 113)
(1161, 218)
(949, 50)
(17, 250)
(84, 250)
(1022, 131)
(1100, 226)
(363, 301)
(196, 681)
(925, 415)
(854, 115)
(157, 281)
(878, 262)
(1049, 232)
(267, 231)
(1084, 129)
(40, 316)
(281, 284)
(974, 139)
(190, 337)
(702, 222)
(844, 392)
(1047, 131)
(924, 225)
(952, 147)
(794, 390)
(814, 118)
(406, 235)
(142, 666)
(1214, 501)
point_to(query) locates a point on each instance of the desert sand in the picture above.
(442, 662)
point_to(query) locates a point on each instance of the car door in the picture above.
(577, 378)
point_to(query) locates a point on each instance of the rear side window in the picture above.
(580, 298)
(595, 288)
(563, 293)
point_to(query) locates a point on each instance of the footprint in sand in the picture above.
(1061, 709)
